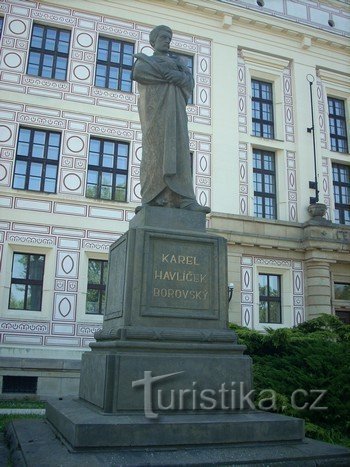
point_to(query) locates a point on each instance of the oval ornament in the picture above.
(247, 316)
(17, 26)
(64, 307)
(203, 198)
(204, 65)
(81, 72)
(84, 39)
(3, 172)
(5, 133)
(75, 144)
(72, 182)
(203, 95)
(67, 264)
(12, 60)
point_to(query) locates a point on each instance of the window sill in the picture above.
(273, 140)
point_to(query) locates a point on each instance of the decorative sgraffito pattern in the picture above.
(85, 30)
(292, 186)
(79, 87)
(68, 245)
(242, 95)
(243, 179)
(322, 113)
(35, 327)
(74, 158)
(288, 105)
(247, 295)
(298, 292)
(325, 187)
(200, 147)
(247, 287)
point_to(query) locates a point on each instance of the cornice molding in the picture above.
(264, 59)
(233, 14)
(333, 78)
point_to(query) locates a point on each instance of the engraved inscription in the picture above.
(181, 276)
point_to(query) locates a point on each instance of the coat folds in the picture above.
(165, 143)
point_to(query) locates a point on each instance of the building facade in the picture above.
(71, 145)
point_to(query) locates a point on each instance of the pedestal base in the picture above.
(85, 428)
(35, 444)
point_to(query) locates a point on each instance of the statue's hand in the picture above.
(174, 77)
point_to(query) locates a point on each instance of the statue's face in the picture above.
(162, 43)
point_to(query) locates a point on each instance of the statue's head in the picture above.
(157, 31)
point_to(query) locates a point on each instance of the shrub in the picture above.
(312, 356)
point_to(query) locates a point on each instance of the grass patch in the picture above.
(21, 404)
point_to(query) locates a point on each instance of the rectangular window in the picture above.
(262, 109)
(270, 299)
(37, 160)
(26, 282)
(341, 190)
(97, 276)
(188, 61)
(341, 291)
(337, 125)
(114, 64)
(1, 24)
(19, 384)
(264, 177)
(49, 50)
(108, 170)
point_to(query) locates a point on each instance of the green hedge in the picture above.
(311, 357)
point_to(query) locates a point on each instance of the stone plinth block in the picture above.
(197, 370)
(166, 271)
(166, 313)
(85, 428)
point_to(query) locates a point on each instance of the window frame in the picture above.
(30, 159)
(262, 101)
(337, 119)
(100, 287)
(340, 207)
(271, 299)
(108, 63)
(184, 58)
(335, 283)
(55, 54)
(264, 195)
(27, 282)
(100, 169)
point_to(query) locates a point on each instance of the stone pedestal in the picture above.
(164, 369)
(166, 312)
(165, 373)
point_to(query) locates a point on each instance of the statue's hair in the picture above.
(155, 31)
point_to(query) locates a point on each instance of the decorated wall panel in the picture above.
(74, 159)
(63, 325)
(86, 29)
(249, 288)
(292, 186)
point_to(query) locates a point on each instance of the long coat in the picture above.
(165, 142)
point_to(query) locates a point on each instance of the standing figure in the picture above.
(165, 85)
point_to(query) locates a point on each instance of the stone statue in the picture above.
(165, 84)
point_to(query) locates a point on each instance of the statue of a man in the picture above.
(165, 84)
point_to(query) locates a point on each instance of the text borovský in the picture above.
(187, 275)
